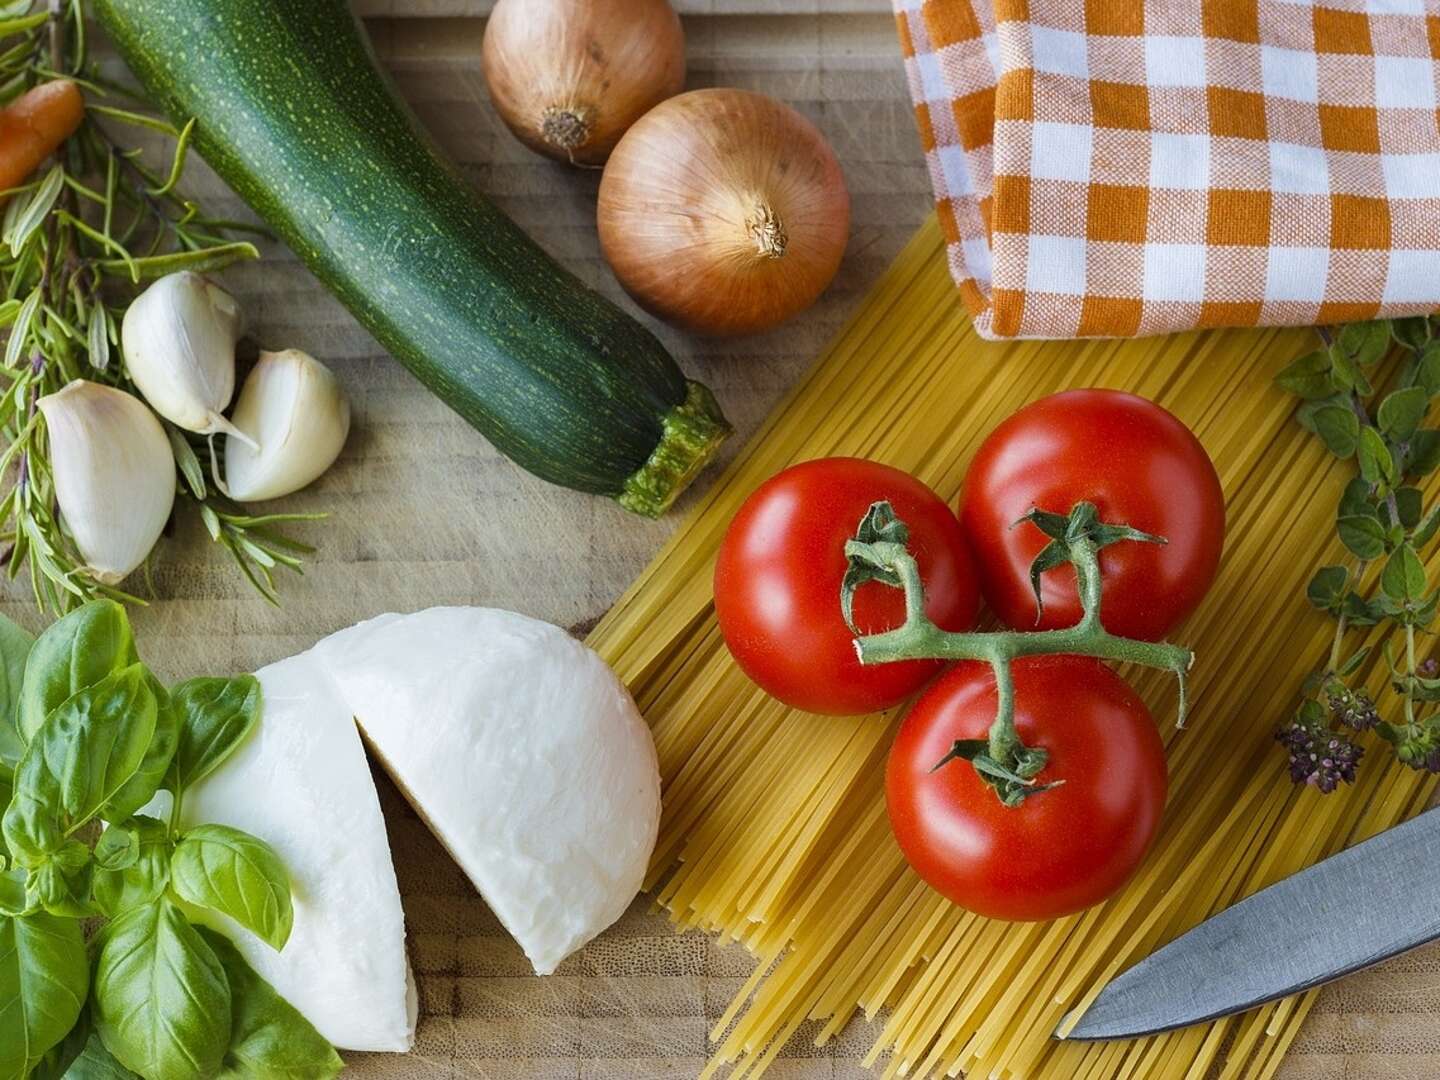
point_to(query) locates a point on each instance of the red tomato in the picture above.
(1060, 850)
(777, 584)
(1140, 466)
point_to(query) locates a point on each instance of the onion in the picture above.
(569, 76)
(724, 212)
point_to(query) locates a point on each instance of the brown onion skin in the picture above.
(607, 62)
(678, 212)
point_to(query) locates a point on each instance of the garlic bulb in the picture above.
(724, 212)
(569, 76)
(295, 408)
(179, 343)
(114, 475)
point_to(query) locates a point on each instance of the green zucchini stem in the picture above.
(692, 432)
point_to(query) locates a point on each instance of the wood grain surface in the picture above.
(425, 512)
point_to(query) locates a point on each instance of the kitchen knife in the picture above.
(1354, 909)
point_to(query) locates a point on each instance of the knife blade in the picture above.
(1363, 905)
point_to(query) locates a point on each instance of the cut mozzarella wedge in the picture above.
(300, 782)
(524, 754)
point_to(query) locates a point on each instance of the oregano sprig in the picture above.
(1368, 408)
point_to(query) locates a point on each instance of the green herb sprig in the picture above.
(89, 735)
(77, 242)
(1368, 408)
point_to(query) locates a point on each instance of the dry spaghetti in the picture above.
(774, 832)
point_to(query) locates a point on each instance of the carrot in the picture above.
(34, 125)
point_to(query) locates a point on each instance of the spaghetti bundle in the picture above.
(774, 831)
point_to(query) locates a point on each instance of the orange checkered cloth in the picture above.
(1111, 168)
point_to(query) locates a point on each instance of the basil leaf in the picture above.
(268, 1037)
(87, 750)
(13, 900)
(238, 875)
(76, 652)
(118, 847)
(214, 715)
(141, 788)
(61, 882)
(97, 1063)
(44, 977)
(59, 1060)
(12, 748)
(118, 891)
(161, 1003)
(14, 648)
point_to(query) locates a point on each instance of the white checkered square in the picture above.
(1175, 272)
(1179, 161)
(1061, 151)
(1174, 61)
(1289, 73)
(1297, 273)
(1404, 82)
(1411, 277)
(1059, 52)
(1056, 264)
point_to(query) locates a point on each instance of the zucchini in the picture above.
(294, 114)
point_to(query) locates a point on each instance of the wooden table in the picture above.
(425, 512)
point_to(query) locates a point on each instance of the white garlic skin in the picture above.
(179, 339)
(295, 409)
(114, 475)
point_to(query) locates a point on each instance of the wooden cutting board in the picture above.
(425, 512)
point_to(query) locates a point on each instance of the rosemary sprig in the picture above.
(77, 242)
(1383, 521)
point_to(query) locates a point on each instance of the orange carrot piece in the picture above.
(34, 125)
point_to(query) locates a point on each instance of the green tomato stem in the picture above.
(920, 639)
(1003, 738)
(879, 553)
(1085, 558)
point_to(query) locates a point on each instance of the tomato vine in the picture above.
(879, 552)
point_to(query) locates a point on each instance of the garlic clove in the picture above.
(114, 475)
(179, 338)
(299, 416)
